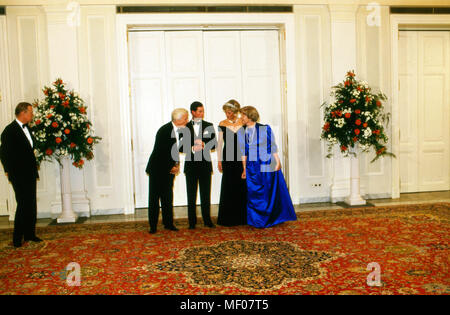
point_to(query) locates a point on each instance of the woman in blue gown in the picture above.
(268, 200)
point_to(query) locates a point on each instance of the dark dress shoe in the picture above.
(191, 227)
(152, 231)
(171, 228)
(17, 245)
(34, 239)
(210, 225)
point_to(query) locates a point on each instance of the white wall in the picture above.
(327, 41)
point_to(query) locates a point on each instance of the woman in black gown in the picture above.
(233, 192)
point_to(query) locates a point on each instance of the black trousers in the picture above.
(160, 189)
(193, 180)
(26, 212)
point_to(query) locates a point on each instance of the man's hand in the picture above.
(175, 170)
(198, 145)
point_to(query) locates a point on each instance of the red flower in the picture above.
(365, 125)
(66, 131)
(65, 104)
(54, 124)
(350, 74)
(358, 122)
(347, 83)
(357, 131)
(367, 99)
(49, 116)
(79, 163)
(90, 140)
(326, 126)
(357, 111)
(343, 148)
(59, 81)
(381, 150)
(72, 145)
(377, 132)
(62, 96)
(341, 101)
(355, 139)
(58, 140)
(38, 122)
(83, 110)
(49, 151)
(378, 103)
(348, 115)
(46, 92)
(339, 113)
(52, 106)
(352, 100)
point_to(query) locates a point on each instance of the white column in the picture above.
(343, 58)
(354, 199)
(62, 30)
(67, 213)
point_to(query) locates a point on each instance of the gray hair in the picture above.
(178, 113)
(22, 107)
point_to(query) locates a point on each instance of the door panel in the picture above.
(174, 68)
(424, 73)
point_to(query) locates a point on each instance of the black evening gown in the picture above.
(233, 192)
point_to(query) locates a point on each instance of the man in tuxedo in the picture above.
(163, 165)
(198, 166)
(19, 163)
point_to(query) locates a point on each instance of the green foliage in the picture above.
(355, 118)
(61, 126)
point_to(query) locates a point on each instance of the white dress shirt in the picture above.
(175, 128)
(26, 131)
(196, 127)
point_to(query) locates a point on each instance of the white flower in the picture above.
(367, 132)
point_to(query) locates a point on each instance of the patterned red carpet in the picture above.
(324, 252)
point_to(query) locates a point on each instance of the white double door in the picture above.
(424, 98)
(171, 69)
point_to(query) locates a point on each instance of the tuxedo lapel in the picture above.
(22, 136)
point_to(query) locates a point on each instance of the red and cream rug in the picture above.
(324, 252)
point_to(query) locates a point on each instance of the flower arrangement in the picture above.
(355, 118)
(61, 127)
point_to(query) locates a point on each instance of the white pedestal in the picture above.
(355, 198)
(67, 214)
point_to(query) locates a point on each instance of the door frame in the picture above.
(285, 23)
(397, 22)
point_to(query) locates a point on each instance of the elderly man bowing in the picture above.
(162, 167)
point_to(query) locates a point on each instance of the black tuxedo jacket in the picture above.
(165, 152)
(17, 154)
(201, 160)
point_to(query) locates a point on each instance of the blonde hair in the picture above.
(178, 113)
(232, 105)
(251, 113)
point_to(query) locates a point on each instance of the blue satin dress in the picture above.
(268, 199)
